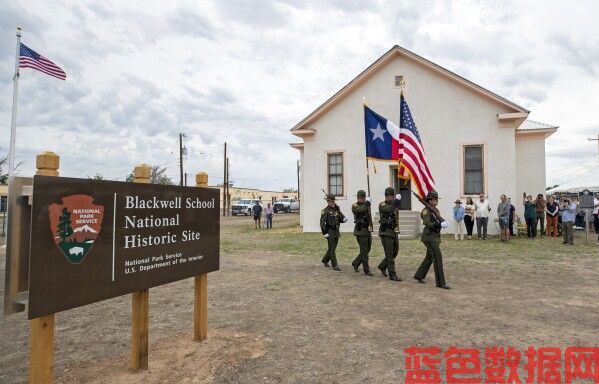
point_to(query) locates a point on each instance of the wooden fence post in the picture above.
(200, 302)
(140, 302)
(41, 329)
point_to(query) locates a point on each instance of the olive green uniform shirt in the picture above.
(432, 227)
(330, 219)
(361, 219)
(388, 220)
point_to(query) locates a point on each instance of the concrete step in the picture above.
(404, 236)
(409, 224)
(408, 236)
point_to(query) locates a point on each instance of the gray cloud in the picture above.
(187, 21)
(580, 52)
(264, 14)
(12, 17)
(245, 72)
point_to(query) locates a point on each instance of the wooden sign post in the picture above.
(153, 235)
(41, 329)
(140, 301)
(200, 302)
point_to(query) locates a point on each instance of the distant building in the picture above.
(266, 197)
(475, 141)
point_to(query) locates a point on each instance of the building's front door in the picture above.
(404, 187)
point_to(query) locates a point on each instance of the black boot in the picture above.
(355, 268)
(367, 271)
(394, 278)
(336, 268)
(326, 263)
(443, 286)
(383, 271)
(421, 281)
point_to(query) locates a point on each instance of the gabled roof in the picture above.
(387, 57)
(531, 124)
(534, 127)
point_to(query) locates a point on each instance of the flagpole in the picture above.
(402, 85)
(367, 168)
(13, 122)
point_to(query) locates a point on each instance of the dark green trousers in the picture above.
(391, 247)
(365, 243)
(433, 256)
(330, 255)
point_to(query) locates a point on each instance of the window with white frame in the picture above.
(335, 172)
(474, 176)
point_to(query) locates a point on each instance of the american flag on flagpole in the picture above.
(411, 153)
(28, 58)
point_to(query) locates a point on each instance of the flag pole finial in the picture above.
(364, 101)
(19, 29)
(402, 86)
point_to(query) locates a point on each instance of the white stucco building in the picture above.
(475, 141)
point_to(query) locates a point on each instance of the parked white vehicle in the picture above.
(286, 205)
(244, 207)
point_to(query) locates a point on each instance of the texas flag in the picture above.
(382, 136)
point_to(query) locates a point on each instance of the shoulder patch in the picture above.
(322, 212)
(425, 211)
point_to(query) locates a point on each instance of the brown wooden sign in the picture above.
(93, 240)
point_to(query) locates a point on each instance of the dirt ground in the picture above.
(276, 315)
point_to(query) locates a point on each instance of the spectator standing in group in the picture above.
(530, 216)
(579, 220)
(268, 211)
(482, 209)
(568, 216)
(512, 214)
(257, 210)
(551, 214)
(469, 215)
(503, 213)
(458, 220)
(596, 215)
(540, 205)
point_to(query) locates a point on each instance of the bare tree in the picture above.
(157, 176)
(97, 176)
(3, 172)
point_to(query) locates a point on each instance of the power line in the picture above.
(584, 163)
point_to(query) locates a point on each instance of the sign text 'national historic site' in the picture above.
(99, 239)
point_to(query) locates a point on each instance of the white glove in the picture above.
(444, 224)
(345, 219)
(326, 235)
(368, 198)
(398, 196)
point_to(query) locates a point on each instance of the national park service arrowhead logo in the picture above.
(75, 224)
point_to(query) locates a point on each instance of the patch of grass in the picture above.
(287, 238)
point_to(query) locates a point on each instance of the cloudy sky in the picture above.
(245, 72)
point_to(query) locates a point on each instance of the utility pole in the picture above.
(228, 195)
(225, 181)
(597, 139)
(181, 151)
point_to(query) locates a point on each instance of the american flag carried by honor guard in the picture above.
(412, 158)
